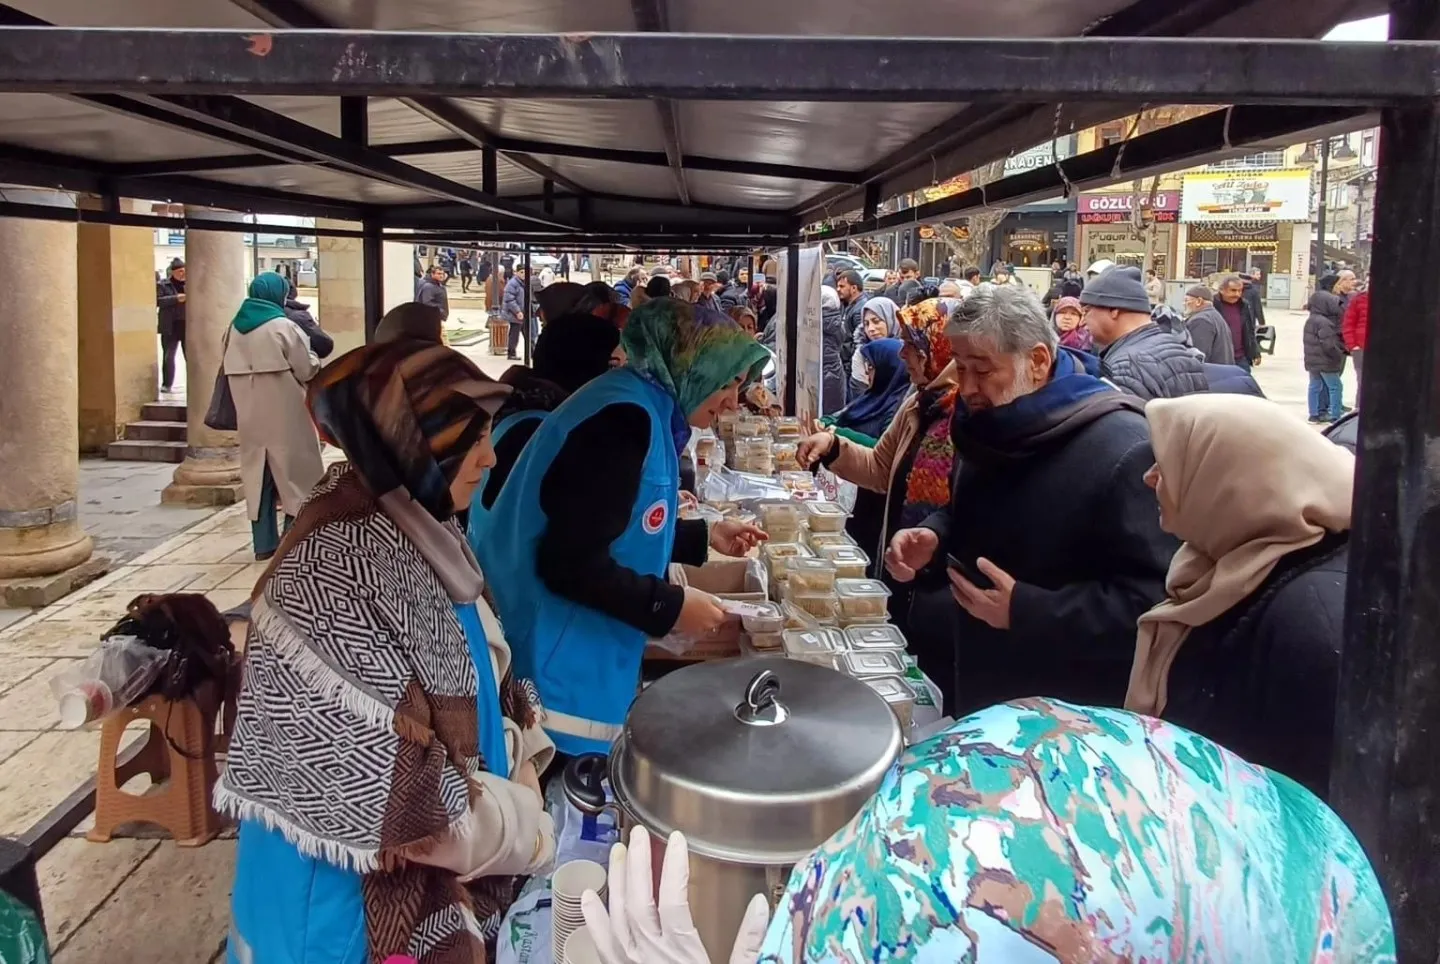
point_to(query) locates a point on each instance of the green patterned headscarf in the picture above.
(689, 350)
(266, 302)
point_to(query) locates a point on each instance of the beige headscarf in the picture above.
(1243, 484)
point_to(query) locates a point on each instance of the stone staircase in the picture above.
(159, 435)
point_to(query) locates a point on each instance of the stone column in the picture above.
(215, 271)
(117, 326)
(342, 287)
(40, 533)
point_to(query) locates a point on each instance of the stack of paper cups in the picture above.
(567, 884)
(580, 948)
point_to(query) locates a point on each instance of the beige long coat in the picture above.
(268, 369)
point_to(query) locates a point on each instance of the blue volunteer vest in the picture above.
(477, 529)
(585, 664)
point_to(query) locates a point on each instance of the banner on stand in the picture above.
(811, 332)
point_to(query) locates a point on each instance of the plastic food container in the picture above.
(817, 646)
(819, 539)
(780, 519)
(811, 575)
(771, 620)
(753, 425)
(794, 480)
(826, 516)
(725, 425)
(871, 664)
(822, 606)
(785, 457)
(763, 644)
(898, 694)
(787, 426)
(850, 561)
(875, 638)
(777, 556)
(861, 598)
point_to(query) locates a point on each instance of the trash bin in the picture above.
(499, 335)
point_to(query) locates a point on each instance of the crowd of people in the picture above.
(1120, 564)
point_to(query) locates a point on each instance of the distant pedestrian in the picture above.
(1240, 318)
(1209, 333)
(1355, 328)
(432, 292)
(516, 311)
(1325, 357)
(547, 276)
(1069, 315)
(170, 305)
(565, 266)
(1154, 288)
(467, 270)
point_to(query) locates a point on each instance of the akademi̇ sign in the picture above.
(1246, 196)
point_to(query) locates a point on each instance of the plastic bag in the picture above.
(836, 489)
(117, 674)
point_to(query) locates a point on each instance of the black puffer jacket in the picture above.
(1324, 346)
(1152, 363)
(1260, 678)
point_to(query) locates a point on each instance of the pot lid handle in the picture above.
(762, 706)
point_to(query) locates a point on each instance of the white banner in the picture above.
(811, 331)
(1241, 195)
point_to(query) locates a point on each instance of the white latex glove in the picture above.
(633, 931)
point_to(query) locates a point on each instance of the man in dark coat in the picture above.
(1325, 356)
(432, 292)
(1049, 515)
(1135, 353)
(299, 312)
(1241, 319)
(1208, 331)
(170, 308)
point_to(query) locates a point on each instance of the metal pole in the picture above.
(1324, 206)
(1385, 781)
(254, 246)
(372, 268)
(792, 325)
(529, 309)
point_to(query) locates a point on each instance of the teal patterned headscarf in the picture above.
(689, 350)
(266, 302)
(1036, 830)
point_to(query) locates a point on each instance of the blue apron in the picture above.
(584, 663)
(287, 908)
(477, 530)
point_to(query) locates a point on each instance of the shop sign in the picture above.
(1246, 196)
(1029, 239)
(955, 185)
(1040, 156)
(1233, 234)
(1117, 208)
(1109, 244)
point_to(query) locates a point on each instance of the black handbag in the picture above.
(221, 413)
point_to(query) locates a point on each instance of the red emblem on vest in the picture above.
(654, 519)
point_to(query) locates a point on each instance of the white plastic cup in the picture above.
(87, 702)
(580, 948)
(574, 878)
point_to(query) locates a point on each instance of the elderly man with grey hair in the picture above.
(1030, 582)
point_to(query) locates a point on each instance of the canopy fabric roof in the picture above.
(654, 169)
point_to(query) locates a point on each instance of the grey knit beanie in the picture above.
(1119, 287)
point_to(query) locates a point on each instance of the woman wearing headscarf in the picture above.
(1245, 647)
(384, 764)
(833, 377)
(585, 527)
(878, 319)
(910, 464)
(1037, 830)
(571, 351)
(268, 361)
(887, 382)
(412, 321)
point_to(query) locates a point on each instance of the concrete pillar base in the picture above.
(37, 591)
(208, 476)
(39, 542)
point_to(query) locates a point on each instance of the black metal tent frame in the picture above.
(1387, 773)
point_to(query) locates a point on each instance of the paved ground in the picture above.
(145, 899)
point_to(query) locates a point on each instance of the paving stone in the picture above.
(19, 668)
(44, 590)
(139, 922)
(42, 774)
(166, 577)
(55, 637)
(13, 741)
(9, 617)
(30, 705)
(107, 604)
(216, 576)
(247, 577)
(165, 548)
(76, 877)
(227, 598)
(212, 548)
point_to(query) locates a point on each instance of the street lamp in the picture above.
(1307, 156)
(1345, 152)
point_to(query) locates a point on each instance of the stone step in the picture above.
(153, 431)
(163, 412)
(133, 450)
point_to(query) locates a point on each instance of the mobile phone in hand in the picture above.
(971, 572)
